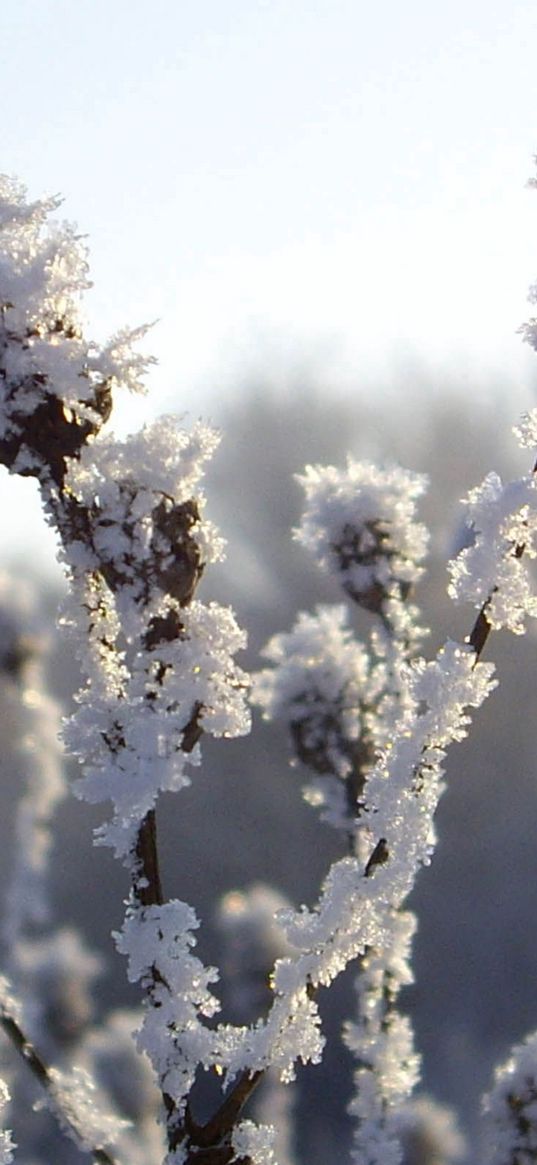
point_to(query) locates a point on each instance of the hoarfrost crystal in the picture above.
(493, 570)
(6, 1143)
(510, 1108)
(360, 524)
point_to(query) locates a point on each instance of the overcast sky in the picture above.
(329, 182)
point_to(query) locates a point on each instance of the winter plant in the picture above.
(370, 722)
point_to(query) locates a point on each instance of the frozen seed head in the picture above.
(138, 506)
(511, 1108)
(359, 522)
(317, 684)
(526, 430)
(55, 386)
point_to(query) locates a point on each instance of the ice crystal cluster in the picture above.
(161, 663)
(492, 569)
(55, 385)
(6, 1143)
(379, 717)
(360, 524)
(511, 1108)
(369, 720)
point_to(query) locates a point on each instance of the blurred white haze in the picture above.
(325, 171)
(322, 185)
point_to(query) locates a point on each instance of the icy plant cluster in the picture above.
(369, 720)
(510, 1108)
(388, 757)
(491, 570)
(6, 1143)
(375, 556)
(55, 385)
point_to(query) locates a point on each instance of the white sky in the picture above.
(327, 181)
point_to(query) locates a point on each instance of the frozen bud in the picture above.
(55, 386)
(526, 430)
(359, 522)
(511, 1108)
(137, 505)
(6, 1143)
(322, 687)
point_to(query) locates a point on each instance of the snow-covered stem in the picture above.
(6, 1142)
(510, 1124)
(159, 664)
(341, 702)
(381, 1041)
(482, 627)
(251, 942)
(11, 1026)
(403, 786)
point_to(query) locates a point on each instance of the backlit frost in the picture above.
(494, 570)
(360, 525)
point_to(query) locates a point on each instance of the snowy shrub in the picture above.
(371, 720)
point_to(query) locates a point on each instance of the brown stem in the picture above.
(147, 883)
(481, 629)
(42, 1074)
(224, 1119)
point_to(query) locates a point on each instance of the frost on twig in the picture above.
(251, 942)
(55, 385)
(381, 1041)
(355, 912)
(6, 1143)
(408, 726)
(51, 967)
(510, 1109)
(339, 698)
(360, 525)
(491, 570)
(159, 667)
(85, 1123)
(323, 686)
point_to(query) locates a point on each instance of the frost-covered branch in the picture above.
(6, 1142)
(510, 1108)
(310, 688)
(341, 701)
(159, 664)
(69, 1097)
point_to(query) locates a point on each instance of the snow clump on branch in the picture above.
(510, 1108)
(55, 386)
(6, 1143)
(359, 523)
(491, 570)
